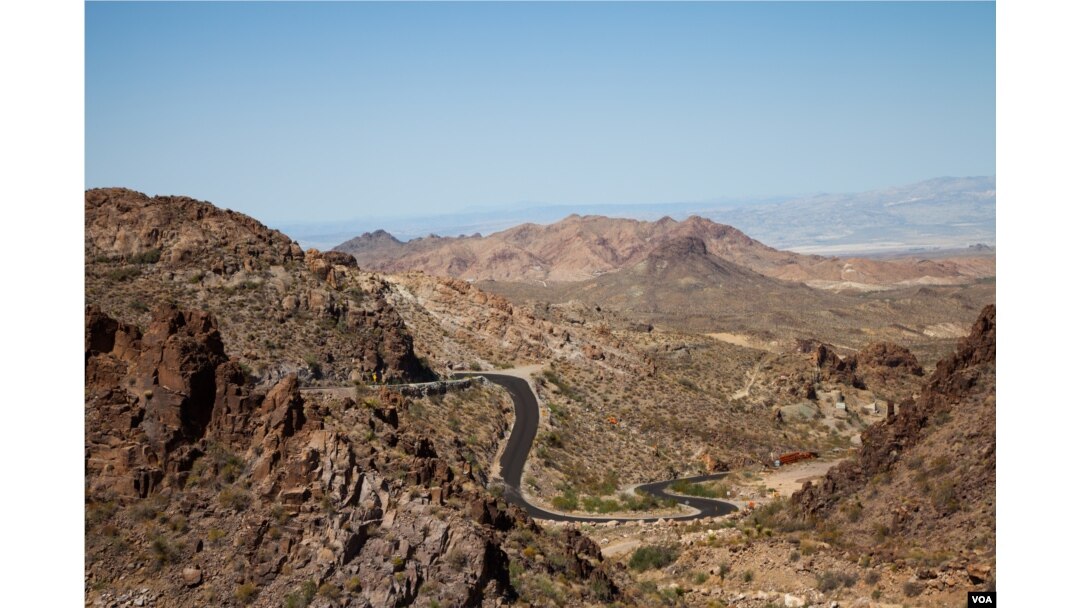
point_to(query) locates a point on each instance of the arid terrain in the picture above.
(272, 426)
(579, 248)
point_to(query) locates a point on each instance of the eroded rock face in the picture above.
(884, 367)
(317, 315)
(152, 397)
(356, 500)
(888, 356)
(964, 380)
(128, 224)
(831, 366)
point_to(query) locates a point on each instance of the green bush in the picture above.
(214, 535)
(567, 501)
(653, 556)
(146, 257)
(682, 486)
(164, 552)
(313, 364)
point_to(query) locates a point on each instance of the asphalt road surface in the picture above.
(526, 422)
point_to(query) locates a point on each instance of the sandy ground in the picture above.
(788, 479)
(745, 341)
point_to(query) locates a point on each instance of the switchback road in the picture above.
(512, 463)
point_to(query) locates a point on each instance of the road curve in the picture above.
(512, 463)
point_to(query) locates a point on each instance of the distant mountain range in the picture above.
(937, 214)
(580, 248)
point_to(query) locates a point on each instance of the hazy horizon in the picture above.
(327, 112)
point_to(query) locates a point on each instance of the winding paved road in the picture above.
(512, 462)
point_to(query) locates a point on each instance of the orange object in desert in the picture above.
(795, 457)
(612, 420)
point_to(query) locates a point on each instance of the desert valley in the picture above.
(595, 411)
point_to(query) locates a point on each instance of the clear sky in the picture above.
(323, 111)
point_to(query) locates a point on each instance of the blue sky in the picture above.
(322, 111)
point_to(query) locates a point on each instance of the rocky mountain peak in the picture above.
(680, 248)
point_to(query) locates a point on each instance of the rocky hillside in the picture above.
(463, 327)
(924, 480)
(682, 278)
(202, 489)
(582, 247)
(282, 310)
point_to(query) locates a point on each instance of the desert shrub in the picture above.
(600, 589)
(748, 576)
(943, 496)
(912, 588)
(214, 535)
(769, 516)
(653, 556)
(567, 501)
(688, 384)
(125, 273)
(353, 584)
(245, 594)
(178, 523)
(148, 508)
(872, 577)
(146, 257)
(314, 365)
(941, 465)
(606, 485)
(643, 501)
(854, 511)
(99, 512)
(235, 498)
(594, 504)
(329, 591)
(302, 596)
(563, 386)
(457, 560)
(163, 551)
(693, 489)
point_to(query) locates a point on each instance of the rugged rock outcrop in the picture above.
(945, 440)
(830, 365)
(285, 311)
(883, 357)
(884, 367)
(204, 490)
(152, 397)
(177, 230)
(888, 369)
